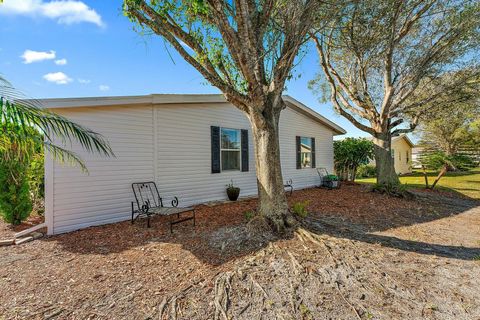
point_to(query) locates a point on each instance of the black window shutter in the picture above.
(244, 142)
(215, 143)
(313, 153)
(299, 150)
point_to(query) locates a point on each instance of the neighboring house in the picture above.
(401, 154)
(416, 154)
(190, 145)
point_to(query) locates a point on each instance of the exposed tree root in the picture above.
(221, 295)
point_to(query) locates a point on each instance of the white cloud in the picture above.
(61, 62)
(103, 87)
(57, 77)
(63, 11)
(83, 81)
(30, 56)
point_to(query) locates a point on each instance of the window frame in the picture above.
(311, 152)
(239, 131)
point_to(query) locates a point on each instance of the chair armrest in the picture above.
(175, 202)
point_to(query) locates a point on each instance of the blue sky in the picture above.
(88, 48)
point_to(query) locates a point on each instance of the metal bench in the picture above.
(289, 184)
(149, 202)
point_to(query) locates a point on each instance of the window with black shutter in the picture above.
(229, 149)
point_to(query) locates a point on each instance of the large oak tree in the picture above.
(383, 63)
(247, 49)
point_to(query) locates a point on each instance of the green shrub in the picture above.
(36, 180)
(366, 171)
(15, 202)
(249, 215)
(349, 154)
(300, 209)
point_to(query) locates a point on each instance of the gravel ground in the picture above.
(359, 255)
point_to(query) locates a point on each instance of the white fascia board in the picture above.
(154, 99)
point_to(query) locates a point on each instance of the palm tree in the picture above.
(17, 111)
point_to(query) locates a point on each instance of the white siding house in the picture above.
(166, 139)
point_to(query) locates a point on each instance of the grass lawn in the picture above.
(466, 183)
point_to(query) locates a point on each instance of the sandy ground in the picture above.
(359, 255)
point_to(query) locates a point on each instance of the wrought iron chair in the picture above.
(289, 184)
(149, 202)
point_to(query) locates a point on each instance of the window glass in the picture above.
(230, 149)
(306, 152)
(230, 139)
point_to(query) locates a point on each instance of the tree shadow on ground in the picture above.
(221, 234)
(339, 229)
(448, 174)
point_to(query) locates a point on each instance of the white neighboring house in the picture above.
(416, 155)
(401, 153)
(190, 145)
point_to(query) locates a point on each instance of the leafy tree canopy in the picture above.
(349, 154)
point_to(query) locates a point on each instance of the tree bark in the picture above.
(272, 202)
(385, 164)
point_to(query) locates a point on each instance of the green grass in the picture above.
(466, 183)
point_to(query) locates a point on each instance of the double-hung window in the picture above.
(230, 149)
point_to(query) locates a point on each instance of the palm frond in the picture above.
(65, 156)
(53, 126)
(16, 109)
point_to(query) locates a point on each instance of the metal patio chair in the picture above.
(289, 184)
(149, 202)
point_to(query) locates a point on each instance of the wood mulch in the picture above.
(359, 255)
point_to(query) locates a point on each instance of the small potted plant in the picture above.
(331, 181)
(232, 191)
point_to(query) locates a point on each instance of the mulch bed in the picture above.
(358, 255)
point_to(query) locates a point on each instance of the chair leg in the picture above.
(194, 217)
(148, 221)
(133, 213)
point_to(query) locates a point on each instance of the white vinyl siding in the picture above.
(293, 124)
(175, 153)
(103, 194)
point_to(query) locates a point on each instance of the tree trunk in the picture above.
(385, 164)
(272, 201)
(440, 175)
(425, 176)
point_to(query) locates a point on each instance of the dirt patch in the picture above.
(8, 231)
(358, 255)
